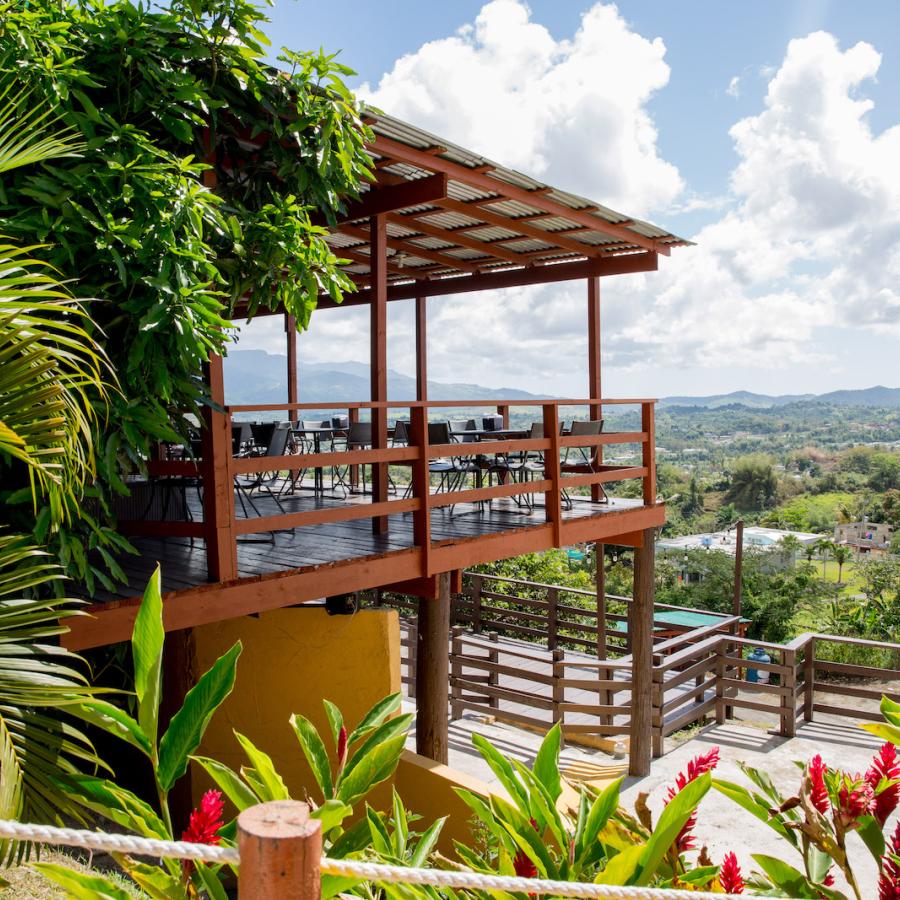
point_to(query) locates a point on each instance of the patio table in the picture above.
(316, 433)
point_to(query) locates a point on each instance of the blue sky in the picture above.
(738, 125)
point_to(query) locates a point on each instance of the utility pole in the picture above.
(738, 567)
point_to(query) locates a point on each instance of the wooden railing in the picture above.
(222, 526)
(696, 676)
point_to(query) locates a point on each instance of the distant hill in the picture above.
(878, 396)
(255, 376)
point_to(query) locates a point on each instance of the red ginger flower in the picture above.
(855, 799)
(698, 766)
(885, 766)
(889, 879)
(523, 864)
(818, 792)
(730, 875)
(206, 820)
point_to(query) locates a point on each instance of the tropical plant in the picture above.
(43, 689)
(841, 556)
(829, 805)
(753, 483)
(168, 756)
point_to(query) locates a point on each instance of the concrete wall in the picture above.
(292, 659)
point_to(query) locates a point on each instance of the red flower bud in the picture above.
(342, 747)
(855, 800)
(885, 767)
(203, 826)
(730, 875)
(818, 792)
(889, 879)
(698, 766)
(522, 862)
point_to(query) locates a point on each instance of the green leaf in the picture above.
(331, 813)
(147, 646)
(502, 768)
(546, 764)
(315, 753)
(117, 804)
(210, 880)
(82, 885)
(753, 804)
(789, 880)
(623, 867)
(335, 719)
(187, 726)
(601, 810)
(672, 819)
(229, 783)
(269, 780)
(374, 717)
(381, 840)
(872, 836)
(427, 843)
(399, 725)
(114, 721)
(375, 767)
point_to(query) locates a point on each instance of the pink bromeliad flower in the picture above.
(818, 792)
(855, 799)
(342, 747)
(889, 879)
(885, 766)
(730, 875)
(698, 766)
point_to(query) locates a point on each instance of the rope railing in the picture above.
(281, 847)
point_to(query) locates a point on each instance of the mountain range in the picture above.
(255, 376)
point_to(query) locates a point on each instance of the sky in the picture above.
(767, 133)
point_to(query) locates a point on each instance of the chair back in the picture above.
(342, 423)
(401, 433)
(315, 424)
(537, 430)
(439, 433)
(359, 434)
(583, 429)
(459, 428)
(262, 434)
(492, 423)
(241, 436)
(278, 442)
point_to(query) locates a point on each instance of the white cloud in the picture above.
(570, 111)
(734, 87)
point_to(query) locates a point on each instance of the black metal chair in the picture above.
(582, 459)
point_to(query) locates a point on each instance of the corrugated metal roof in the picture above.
(531, 230)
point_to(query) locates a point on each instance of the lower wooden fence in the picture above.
(509, 662)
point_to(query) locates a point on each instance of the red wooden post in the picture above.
(642, 656)
(433, 673)
(594, 380)
(290, 327)
(352, 418)
(421, 349)
(421, 484)
(553, 496)
(218, 486)
(281, 852)
(378, 359)
(648, 426)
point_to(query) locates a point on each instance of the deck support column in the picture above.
(178, 673)
(641, 626)
(595, 412)
(433, 673)
(421, 349)
(378, 359)
(290, 328)
(218, 488)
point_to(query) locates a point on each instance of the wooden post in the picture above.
(721, 708)
(552, 604)
(421, 486)
(353, 418)
(281, 852)
(594, 379)
(378, 359)
(553, 496)
(642, 655)
(648, 454)
(658, 698)
(600, 556)
(433, 673)
(789, 693)
(456, 672)
(290, 327)
(218, 486)
(421, 349)
(809, 682)
(503, 410)
(494, 677)
(477, 588)
(178, 673)
(559, 692)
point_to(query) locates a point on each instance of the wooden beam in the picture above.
(387, 147)
(594, 381)
(218, 487)
(427, 588)
(641, 628)
(378, 360)
(487, 281)
(399, 196)
(433, 674)
(421, 349)
(403, 245)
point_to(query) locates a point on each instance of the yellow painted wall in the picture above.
(292, 659)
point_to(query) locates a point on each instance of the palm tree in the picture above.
(824, 547)
(51, 381)
(841, 554)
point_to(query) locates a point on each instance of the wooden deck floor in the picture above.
(184, 563)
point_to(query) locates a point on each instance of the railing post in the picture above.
(553, 496)
(559, 691)
(789, 693)
(809, 683)
(421, 482)
(281, 851)
(648, 452)
(353, 418)
(657, 698)
(411, 664)
(456, 709)
(494, 677)
(720, 686)
(552, 601)
(477, 588)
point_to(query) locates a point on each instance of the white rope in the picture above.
(116, 843)
(350, 868)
